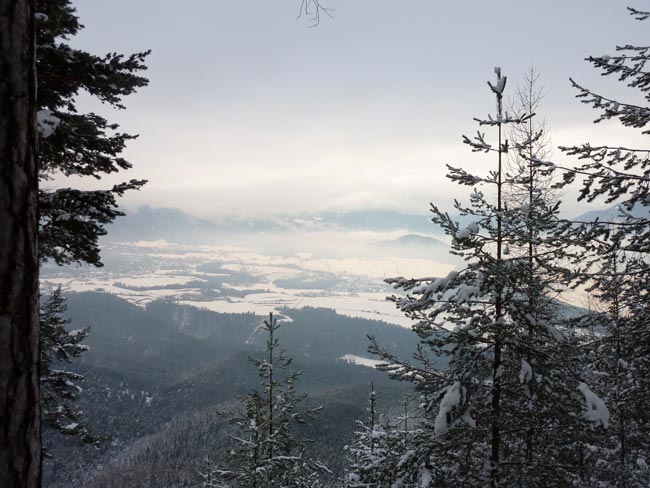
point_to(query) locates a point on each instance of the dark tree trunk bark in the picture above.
(20, 447)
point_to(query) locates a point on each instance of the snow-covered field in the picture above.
(364, 305)
(236, 280)
(360, 361)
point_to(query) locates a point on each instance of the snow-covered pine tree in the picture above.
(414, 468)
(532, 239)
(406, 419)
(266, 451)
(614, 266)
(74, 143)
(616, 370)
(376, 449)
(496, 351)
(60, 387)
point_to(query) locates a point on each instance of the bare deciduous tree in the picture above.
(312, 10)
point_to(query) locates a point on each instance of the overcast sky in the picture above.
(251, 112)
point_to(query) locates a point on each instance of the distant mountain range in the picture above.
(417, 246)
(612, 214)
(151, 224)
(174, 225)
(381, 221)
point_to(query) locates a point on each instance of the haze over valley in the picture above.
(263, 266)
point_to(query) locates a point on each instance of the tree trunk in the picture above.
(495, 442)
(20, 448)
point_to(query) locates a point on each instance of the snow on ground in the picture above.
(372, 306)
(361, 361)
(155, 279)
(243, 280)
(278, 272)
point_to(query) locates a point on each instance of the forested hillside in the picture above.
(155, 378)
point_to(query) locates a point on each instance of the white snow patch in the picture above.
(46, 122)
(441, 283)
(467, 231)
(359, 360)
(425, 477)
(465, 292)
(469, 420)
(526, 372)
(450, 401)
(555, 333)
(595, 409)
(501, 81)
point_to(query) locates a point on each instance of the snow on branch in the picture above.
(629, 114)
(46, 122)
(478, 143)
(500, 85)
(504, 119)
(595, 409)
(526, 372)
(450, 403)
(462, 177)
(524, 144)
